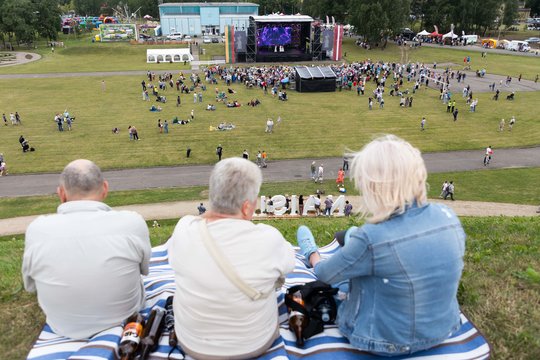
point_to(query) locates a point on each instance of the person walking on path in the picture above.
(320, 174)
(313, 169)
(450, 191)
(219, 152)
(340, 178)
(264, 158)
(201, 209)
(443, 189)
(487, 156)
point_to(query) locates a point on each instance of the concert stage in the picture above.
(290, 55)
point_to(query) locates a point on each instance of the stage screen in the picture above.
(270, 35)
(240, 41)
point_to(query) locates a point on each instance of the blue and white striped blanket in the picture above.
(467, 344)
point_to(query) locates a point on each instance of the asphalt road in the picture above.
(277, 171)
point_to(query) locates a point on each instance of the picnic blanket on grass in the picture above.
(467, 344)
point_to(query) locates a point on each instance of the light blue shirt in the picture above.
(403, 275)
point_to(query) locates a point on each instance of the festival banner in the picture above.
(338, 42)
(230, 55)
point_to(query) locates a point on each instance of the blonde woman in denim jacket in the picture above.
(404, 265)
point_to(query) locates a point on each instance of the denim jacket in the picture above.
(403, 275)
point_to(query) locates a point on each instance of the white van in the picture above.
(516, 45)
(469, 39)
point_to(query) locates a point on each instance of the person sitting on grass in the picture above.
(404, 265)
(154, 108)
(214, 319)
(210, 107)
(254, 102)
(96, 282)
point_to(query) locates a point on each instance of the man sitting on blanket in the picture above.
(214, 318)
(86, 261)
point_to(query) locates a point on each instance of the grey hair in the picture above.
(233, 181)
(391, 175)
(81, 177)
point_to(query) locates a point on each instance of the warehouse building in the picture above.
(205, 18)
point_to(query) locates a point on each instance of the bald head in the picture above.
(82, 180)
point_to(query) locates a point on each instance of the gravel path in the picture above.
(175, 210)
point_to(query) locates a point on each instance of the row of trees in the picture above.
(27, 19)
(373, 19)
(376, 19)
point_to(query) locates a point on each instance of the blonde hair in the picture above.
(391, 175)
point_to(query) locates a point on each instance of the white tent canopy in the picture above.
(168, 55)
(450, 35)
(423, 33)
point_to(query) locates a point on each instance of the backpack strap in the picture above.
(226, 267)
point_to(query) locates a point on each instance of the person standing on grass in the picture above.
(455, 114)
(443, 189)
(166, 127)
(192, 114)
(178, 101)
(423, 124)
(219, 152)
(511, 123)
(340, 180)
(501, 125)
(5, 119)
(348, 208)
(95, 283)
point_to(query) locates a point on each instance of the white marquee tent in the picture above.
(423, 33)
(168, 55)
(450, 35)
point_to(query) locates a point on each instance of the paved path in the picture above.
(175, 210)
(478, 48)
(282, 170)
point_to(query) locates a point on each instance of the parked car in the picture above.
(533, 40)
(207, 40)
(215, 40)
(175, 36)
(187, 38)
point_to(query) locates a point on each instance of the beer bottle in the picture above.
(152, 333)
(169, 322)
(297, 320)
(131, 336)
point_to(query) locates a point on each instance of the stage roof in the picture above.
(282, 18)
(315, 72)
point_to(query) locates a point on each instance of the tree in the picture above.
(47, 22)
(509, 12)
(279, 6)
(18, 18)
(375, 20)
(322, 8)
(88, 7)
(534, 5)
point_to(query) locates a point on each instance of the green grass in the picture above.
(314, 124)
(501, 64)
(500, 290)
(515, 186)
(81, 55)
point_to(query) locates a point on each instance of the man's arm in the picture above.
(29, 283)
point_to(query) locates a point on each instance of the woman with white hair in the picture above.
(226, 270)
(404, 265)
